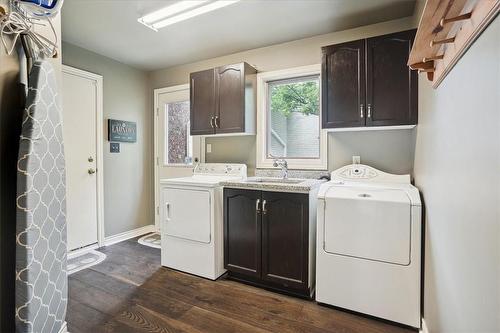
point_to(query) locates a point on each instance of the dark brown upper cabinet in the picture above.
(391, 87)
(343, 85)
(368, 83)
(202, 96)
(229, 100)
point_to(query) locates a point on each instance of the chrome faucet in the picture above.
(284, 167)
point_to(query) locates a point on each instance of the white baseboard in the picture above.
(424, 328)
(64, 328)
(110, 240)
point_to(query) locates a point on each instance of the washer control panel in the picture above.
(365, 173)
(358, 171)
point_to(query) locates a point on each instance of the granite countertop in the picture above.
(295, 185)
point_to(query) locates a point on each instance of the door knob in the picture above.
(91, 171)
(91, 159)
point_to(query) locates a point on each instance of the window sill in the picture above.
(303, 164)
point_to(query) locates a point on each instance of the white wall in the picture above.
(457, 168)
(128, 189)
(387, 150)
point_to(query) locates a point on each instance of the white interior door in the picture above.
(176, 150)
(80, 140)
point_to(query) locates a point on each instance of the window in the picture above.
(289, 119)
(178, 141)
(293, 118)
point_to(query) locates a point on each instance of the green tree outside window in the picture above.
(295, 97)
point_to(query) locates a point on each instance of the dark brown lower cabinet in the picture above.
(267, 240)
(242, 250)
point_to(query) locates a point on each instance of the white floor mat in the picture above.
(151, 240)
(84, 260)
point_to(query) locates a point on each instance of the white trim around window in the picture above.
(262, 120)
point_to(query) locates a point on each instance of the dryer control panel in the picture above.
(220, 169)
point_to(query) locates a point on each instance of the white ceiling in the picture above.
(110, 27)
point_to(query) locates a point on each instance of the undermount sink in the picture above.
(275, 180)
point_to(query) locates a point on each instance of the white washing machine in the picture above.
(192, 221)
(369, 244)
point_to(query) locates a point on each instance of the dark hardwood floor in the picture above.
(131, 292)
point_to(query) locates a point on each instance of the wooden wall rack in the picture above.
(446, 30)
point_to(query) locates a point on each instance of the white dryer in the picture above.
(191, 219)
(369, 244)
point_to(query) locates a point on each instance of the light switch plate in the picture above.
(209, 148)
(114, 147)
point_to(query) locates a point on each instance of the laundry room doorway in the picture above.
(176, 150)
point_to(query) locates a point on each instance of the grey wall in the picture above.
(457, 168)
(390, 151)
(128, 190)
(11, 107)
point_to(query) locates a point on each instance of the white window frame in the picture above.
(263, 79)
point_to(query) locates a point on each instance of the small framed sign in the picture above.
(122, 131)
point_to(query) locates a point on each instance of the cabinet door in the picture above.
(391, 85)
(202, 88)
(230, 98)
(285, 218)
(343, 85)
(242, 231)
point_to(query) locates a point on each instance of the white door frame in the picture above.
(98, 83)
(156, 112)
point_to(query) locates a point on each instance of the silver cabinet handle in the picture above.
(212, 122)
(264, 210)
(217, 122)
(361, 110)
(257, 206)
(369, 110)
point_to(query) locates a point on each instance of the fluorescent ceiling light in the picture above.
(181, 11)
(170, 11)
